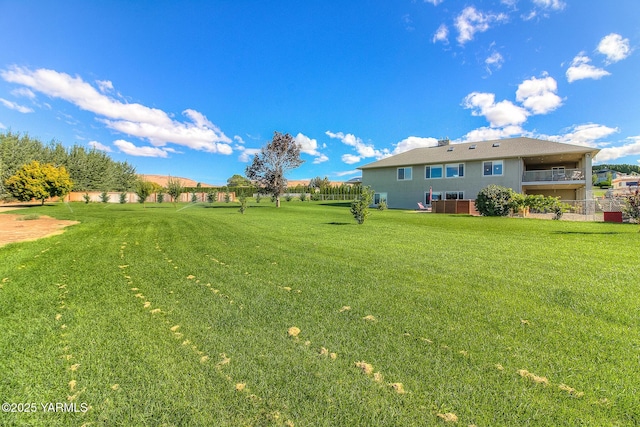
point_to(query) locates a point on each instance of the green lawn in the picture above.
(181, 316)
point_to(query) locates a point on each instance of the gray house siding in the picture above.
(406, 194)
(528, 166)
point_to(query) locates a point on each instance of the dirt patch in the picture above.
(14, 228)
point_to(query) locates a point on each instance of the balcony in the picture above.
(559, 175)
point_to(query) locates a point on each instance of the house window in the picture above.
(404, 174)
(379, 197)
(432, 172)
(435, 196)
(492, 168)
(454, 195)
(455, 170)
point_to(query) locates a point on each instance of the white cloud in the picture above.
(128, 148)
(581, 69)
(98, 146)
(498, 114)
(2, 126)
(137, 120)
(550, 4)
(310, 146)
(247, 154)
(488, 133)
(613, 153)
(495, 61)
(614, 47)
(238, 139)
(350, 159)
(471, 21)
(351, 172)
(434, 2)
(13, 106)
(23, 91)
(363, 150)
(539, 95)
(587, 134)
(412, 142)
(441, 35)
(104, 86)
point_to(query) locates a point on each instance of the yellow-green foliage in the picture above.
(39, 181)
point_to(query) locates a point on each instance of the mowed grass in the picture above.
(183, 316)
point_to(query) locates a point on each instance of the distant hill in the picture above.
(164, 179)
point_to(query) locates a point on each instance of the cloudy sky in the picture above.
(194, 89)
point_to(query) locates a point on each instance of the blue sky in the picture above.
(194, 88)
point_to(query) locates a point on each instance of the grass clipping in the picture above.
(293, 332)
(533, 377)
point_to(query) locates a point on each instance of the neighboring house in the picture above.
(460, 171)
(625, 184)
(603, 175)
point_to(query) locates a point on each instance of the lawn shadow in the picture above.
(338, 223)
(337, 205)
(587, 232)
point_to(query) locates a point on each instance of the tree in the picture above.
(272, 162)
(143, 190)
(360, 205)
(494, 200)
(174, 189)
(632, 206)
(238, 181)
(39, 181)
(320, 183)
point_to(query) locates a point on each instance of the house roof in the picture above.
(484, 150)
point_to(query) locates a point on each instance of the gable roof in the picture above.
(482, 150)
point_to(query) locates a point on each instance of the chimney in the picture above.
(443, 142)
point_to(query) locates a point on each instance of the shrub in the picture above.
(123, 198)
(160, 197)
(243, 204)
(316, 196)
(258, 197)
(104, 197)
(227, 196)
(86, 197)
(494, 200)
(382, 205)
(212, 196)
(360, 205)
(194, 197)
(288, 197)
(303, 196)
(632, 206)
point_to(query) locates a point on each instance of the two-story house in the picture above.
(460, 171)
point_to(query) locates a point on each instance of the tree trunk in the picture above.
(277, 201)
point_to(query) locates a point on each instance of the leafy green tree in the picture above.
(320, 183)
(88, 169)
(104, 197)
(238, 181)
(39, 181)
(272, 162)
(212, 196)
(174, 189)
(494, 200)
(360, 205)
(143, 190)
(243, 204)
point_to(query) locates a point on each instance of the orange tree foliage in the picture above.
(39, 181)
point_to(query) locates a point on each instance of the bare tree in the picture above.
(272, 162)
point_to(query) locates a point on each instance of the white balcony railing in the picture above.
(555, 175)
